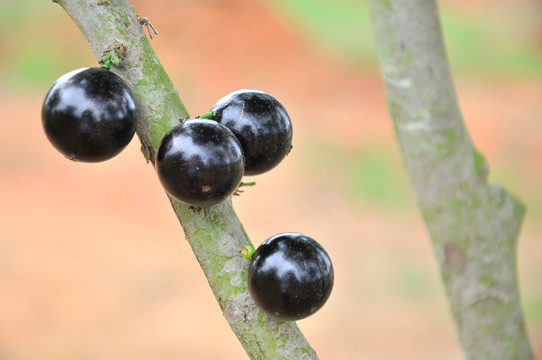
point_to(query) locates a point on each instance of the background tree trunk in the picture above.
(473, 225)
(214, 233)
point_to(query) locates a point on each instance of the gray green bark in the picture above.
(214, 233)
(473, 225)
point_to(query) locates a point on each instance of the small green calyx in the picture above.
(113, 55)
(115, 59)
(247, 252)
(106, 61)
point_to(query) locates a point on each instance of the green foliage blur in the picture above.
(488, 45)
(485, 44)
(28, 58)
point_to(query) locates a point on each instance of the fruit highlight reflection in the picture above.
(200, 162)
(89, 115)
(261, 124)
(199, 170)
(290, 276)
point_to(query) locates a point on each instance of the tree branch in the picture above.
(214, 233)
(473, 225)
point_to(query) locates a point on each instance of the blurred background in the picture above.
(93, 263)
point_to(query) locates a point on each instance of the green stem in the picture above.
(248, 183)
(208, 115)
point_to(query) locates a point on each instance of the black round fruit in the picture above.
(89, 115)
(261, 124)
(290, 276)
(200, 162)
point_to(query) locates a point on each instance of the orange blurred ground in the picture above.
(93, 264)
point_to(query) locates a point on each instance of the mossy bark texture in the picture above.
(473, 225)
(214, 233)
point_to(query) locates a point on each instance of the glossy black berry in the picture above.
(261, 124)
(290, 276)
(200, 162)
(89, 115)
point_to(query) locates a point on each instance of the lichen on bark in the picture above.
(473, 225)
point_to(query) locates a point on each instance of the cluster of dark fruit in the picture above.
(89, 115)
(201, 161)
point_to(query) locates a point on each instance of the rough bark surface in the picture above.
(214, 233)
(473, 225)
